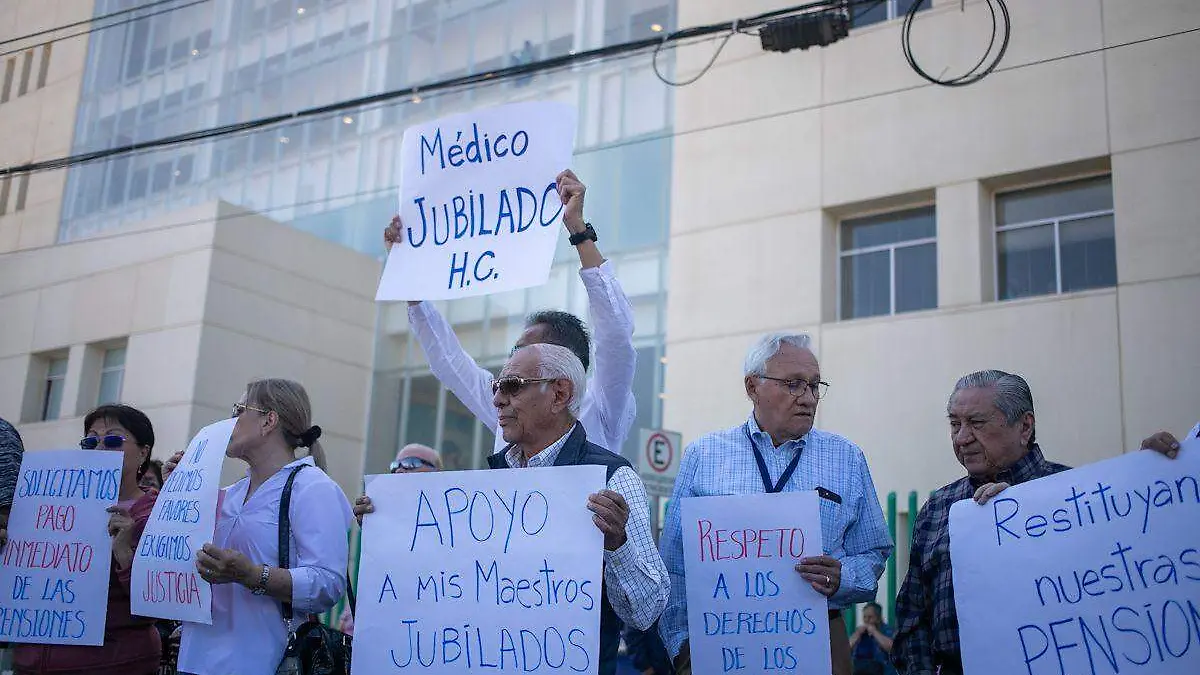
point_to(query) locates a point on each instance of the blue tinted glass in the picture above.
(866, 285)
(888, 228)
(916, 278)
(1025, 262)
(1089, 254)
(1054, 201)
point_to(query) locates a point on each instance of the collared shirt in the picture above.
(634, 575)
(722, 463)
(927, 632)
(608, 407)
(248, 634)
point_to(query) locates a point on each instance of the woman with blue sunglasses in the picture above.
(131, 644)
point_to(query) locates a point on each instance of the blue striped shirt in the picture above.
(722, 463)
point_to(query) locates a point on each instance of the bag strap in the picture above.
(285, 530)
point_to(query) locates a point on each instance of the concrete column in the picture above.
(966, 257)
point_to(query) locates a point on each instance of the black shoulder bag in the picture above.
(313, 648)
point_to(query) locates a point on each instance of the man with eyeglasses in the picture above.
(777, 450)
(608, 408)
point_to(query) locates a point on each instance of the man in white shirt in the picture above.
(608, 408)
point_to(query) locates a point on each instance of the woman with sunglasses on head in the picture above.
(248, 634)
(131, 643)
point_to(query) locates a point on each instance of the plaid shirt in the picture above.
(722, 463)
(927, 637)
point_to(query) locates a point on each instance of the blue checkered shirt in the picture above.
(927, 634)
(722, 463)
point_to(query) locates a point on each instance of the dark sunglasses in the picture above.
(512, 385)
(111, 442)
(410, 463)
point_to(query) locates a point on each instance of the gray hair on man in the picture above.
(1012, 394)
(768, 346)
(560, 362)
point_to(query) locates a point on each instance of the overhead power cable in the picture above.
(94, 19)
(95, 29)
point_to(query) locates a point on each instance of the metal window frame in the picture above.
(1057, 222)
(891, 248)
(109, 370)
(48, 383)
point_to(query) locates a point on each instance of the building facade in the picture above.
(1043, 220)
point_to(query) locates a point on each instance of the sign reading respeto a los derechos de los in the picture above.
(480, 210)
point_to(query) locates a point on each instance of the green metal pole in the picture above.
(893, 524)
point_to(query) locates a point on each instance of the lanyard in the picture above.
(762, 465)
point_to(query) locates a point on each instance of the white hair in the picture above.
(768, 345)
(560, 362)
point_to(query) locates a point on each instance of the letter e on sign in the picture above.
(658, 461)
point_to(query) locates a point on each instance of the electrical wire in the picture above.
(986, 64)
(495, 75)
(100, 28)
(87, 21)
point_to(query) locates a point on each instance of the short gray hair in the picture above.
(560, 362)
(768, 346)
(1012, 394)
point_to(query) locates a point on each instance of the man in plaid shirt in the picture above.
(992, 429)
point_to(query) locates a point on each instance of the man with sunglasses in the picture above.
(416, 458)
(608, 408)
(777, 450)
(538, 397)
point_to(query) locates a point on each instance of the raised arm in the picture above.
(611, 318)
(450, 363)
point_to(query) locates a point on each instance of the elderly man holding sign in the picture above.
(778, 450)
(608, 409)
(992, 431)
(538, 397)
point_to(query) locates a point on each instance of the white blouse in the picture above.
(248, 635)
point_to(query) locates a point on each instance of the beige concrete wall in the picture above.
(45, 116)
(206, 301)
(775, 148)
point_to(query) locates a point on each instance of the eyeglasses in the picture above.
(239, 408)
(797, 387)
(110, 442)
(410, 463)
(511, 386)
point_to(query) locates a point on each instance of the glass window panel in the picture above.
(139, 180)
(57, 368)
(645, 102)
(610, 113)
(183, 169)
(55, 382)
(422, 411)
(866, 285)
(916, 278)
(110, 387)
(162, 177)
(1025, 262)
(114, 358)
(135, 57)
(646, 399)
(888, 228)
(645, 192)
(203, 41)
(458, 436)
(1054, 201)
(1089, 254)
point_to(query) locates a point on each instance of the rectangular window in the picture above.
(26, 70)
(112, 376)
(1055, 239)
(56, 378)
(44, 67)
(5, 186)
(10, 69)
(867, 13)
(889, 263)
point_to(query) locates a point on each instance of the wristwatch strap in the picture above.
(588, 233)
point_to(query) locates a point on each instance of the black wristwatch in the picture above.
(588, 233)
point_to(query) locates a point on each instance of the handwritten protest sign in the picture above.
(55, 569)
(165, 583)
(748, 609)
(1095, 570)
(470, 570)
(480, 210)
